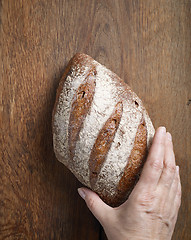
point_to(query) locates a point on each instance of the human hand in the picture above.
(152, 208)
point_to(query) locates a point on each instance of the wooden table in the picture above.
(147, 43)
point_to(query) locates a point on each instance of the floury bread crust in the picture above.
(101, 130)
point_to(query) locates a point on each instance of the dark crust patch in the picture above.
(80, 107)
(134, 164)
(103, 143)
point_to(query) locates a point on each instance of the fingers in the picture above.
(172, 199)
(177, 201)
(174, 187)
(99, 209)
(169, 165)
(154, 165)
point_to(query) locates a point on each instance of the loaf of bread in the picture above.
(101, 130)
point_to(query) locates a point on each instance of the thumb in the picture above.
(99, 209)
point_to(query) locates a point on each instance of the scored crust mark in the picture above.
(103, 143)
(81, 105)
(73, 64)
(134, 164)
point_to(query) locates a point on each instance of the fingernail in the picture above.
(81, 193)
(169, 137)
(162, 130)
(177, 169)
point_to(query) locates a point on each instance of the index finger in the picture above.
(154, 164)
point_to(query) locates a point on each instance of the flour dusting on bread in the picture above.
(109, 90)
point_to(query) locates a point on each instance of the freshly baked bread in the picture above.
(101, 131)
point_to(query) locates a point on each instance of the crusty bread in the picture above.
(101, 130)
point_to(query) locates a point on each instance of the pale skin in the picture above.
(152, 208)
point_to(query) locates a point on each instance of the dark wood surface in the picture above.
(147, 43)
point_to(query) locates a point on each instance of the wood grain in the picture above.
(147, 43)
